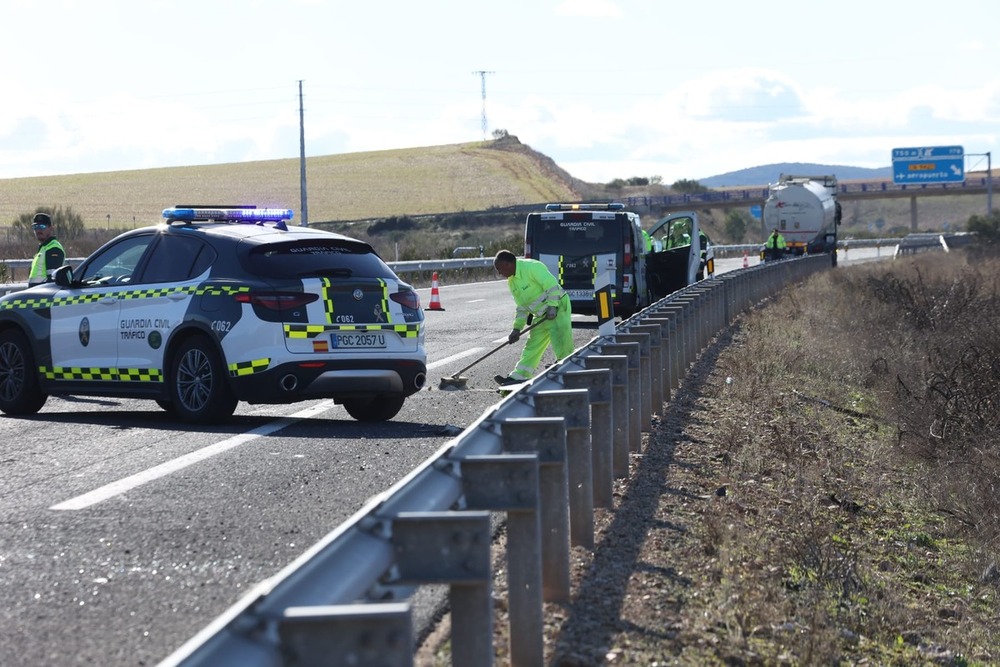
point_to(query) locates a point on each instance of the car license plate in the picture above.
(357, 340)
(580, 293)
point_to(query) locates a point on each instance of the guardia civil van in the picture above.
(581, 241)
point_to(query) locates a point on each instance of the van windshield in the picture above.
(570, 237)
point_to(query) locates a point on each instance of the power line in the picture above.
(482, 77)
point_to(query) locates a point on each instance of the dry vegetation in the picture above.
(347, 193)
(822, 490)
(352, 186)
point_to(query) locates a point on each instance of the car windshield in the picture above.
(328, 258)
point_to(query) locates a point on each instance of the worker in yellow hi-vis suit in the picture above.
(536, 293)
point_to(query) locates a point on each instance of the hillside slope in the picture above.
(770, 173)
(352, 186)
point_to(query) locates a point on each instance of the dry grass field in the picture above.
(821, 490)
(352, 186)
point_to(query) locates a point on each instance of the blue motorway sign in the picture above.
(931, 164)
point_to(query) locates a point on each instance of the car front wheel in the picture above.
(19, 390)
(199, 391)
(379, 409)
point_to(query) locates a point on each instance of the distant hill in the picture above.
(353, 186)
(770, 173)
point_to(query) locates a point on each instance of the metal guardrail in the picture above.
(720, 251)
(16, 265)
(917, 243)
(546, 456)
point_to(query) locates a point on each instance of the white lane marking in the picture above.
(455, 357)
(128, 483)
(475, 300)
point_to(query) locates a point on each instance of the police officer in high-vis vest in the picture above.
(50, 255)
(538, 294)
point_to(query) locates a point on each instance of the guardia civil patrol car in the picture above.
(214, 306)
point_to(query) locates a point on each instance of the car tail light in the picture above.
(406, 298)
(628, 255)
(277, 300)
(527, 250)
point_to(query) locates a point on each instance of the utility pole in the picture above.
(989, 186)
(302, 161)
(482, 77)
(989, 182)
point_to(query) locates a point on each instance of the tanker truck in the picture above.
(805, 210)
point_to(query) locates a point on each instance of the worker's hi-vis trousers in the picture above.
(559, 332)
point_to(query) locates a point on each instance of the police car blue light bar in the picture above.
(243, 214)
(585, 207)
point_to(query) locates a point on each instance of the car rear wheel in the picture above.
(378, 409)
(199, 391)
(19, 390)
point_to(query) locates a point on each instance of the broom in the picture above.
(459, 381)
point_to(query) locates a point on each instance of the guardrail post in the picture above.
(452, 548)
(618, 365)
(715, 297)
(677, 341)
(366, 635)
(573, 405)
(546, 436)
(659, 326)
(510, 483)
(630, 350)
(669, 337)
(645, 376)
(680, 313)
(692, 328)
(598, 383)
(656, 357)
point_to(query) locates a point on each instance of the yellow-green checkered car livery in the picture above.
(201, 312)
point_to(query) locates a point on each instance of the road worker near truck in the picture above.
(774, 247)
(538, 294)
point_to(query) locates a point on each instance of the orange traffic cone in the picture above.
(746, 260)
(435, 303)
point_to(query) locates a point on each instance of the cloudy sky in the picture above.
(607, 88)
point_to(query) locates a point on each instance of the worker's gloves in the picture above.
(514, 336)
(551, 312)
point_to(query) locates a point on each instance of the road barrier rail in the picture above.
(544, 456)
(17, 267)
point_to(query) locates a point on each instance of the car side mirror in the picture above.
(63, 276)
